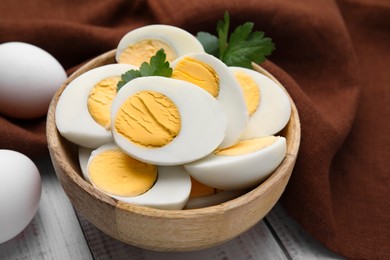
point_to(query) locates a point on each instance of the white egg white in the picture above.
(239, 171)
(203, 121)
(84, 154)
(230, 97)
(170, 191)
(73, 120)
(180, 40)
(274, 109)
(212, 200)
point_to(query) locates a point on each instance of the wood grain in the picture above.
(162, 230)
(54, 232)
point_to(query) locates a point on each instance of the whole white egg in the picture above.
(29, 77)
(20, 193)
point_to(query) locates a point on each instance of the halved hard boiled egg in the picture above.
(83, 110)
(83, 155)
(241, 166)
(212, 75)
(139, 45)
(267, 103)
(165, 121)
(213, 199)
(124, 178)
(204, 196)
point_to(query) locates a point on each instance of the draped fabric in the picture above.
(332, 56)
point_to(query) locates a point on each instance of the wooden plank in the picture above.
(257, 243)
(295, 241)
(54, 232)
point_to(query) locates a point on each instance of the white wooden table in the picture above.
(58, 232)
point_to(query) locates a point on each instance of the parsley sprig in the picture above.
(157, 66)
(241, 48)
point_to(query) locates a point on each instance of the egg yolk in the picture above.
(198, 73)
(117, 173)
(100, 99)
(247, 146)
(250, 90)
(200, 190)
(149, 119)
(142, 51)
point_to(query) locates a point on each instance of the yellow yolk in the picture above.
(142, 51)
(247, 146)
(119, 174)
(198, 73)
(199, 189)
(100, 100)
(250, 90)
(149, 119)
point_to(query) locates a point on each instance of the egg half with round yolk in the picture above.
(83, 110)
(212, 75)
(124, 178)
(165, 121)
(241, 166)
(267, 103)
(139, 45)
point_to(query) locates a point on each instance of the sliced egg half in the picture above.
(204, 196)
(269, 107)
(165, 121)
(213, 199)
(115, 173)
(241, 166)
(83, 110)
(139, 45)
(211, 74)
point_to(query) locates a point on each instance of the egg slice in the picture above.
(241, 166)
(212, 199)
(83, 110)
(139, 45)
(165, 121)
(204, 196)
(269, 107)
(214, 76)
(83, 155)
(126, 179)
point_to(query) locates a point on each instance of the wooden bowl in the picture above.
(164, 230)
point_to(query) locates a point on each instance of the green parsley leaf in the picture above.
(128, 76)
(209, 42)
(223, 33)
(242, 47)
(157, 66)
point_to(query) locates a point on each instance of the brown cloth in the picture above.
(332, 56)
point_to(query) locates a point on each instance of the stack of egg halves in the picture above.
(198, 138)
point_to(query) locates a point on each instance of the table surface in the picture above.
(58, 232)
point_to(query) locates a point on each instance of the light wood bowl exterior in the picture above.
(163, 230)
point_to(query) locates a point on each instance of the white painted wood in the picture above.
(297, 243)
(54, 232)
(257, 243)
